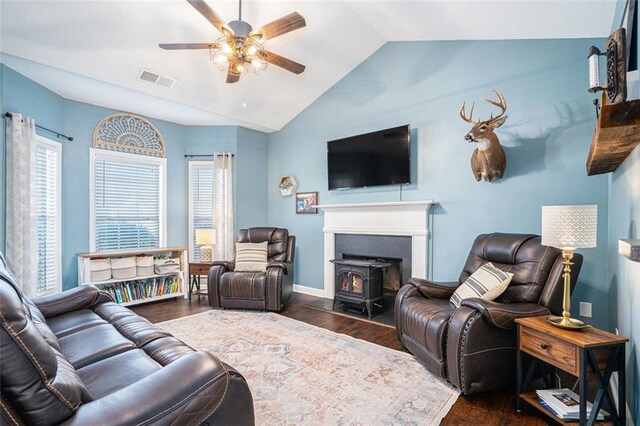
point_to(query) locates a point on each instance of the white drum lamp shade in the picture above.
(205, 238)
(570, 227)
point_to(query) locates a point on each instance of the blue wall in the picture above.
(624, 280)
(79, 120)
(546, 138)
(624, 274)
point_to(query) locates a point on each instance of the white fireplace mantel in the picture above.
(406, 218)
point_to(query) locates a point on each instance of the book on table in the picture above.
(565, 404)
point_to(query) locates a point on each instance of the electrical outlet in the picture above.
(585, 309)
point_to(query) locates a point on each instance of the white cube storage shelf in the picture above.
(108, 269)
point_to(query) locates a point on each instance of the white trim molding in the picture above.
(311, 291)
(404, 218)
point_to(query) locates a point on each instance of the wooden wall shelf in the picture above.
(617, 134)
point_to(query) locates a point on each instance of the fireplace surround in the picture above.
(399, 219)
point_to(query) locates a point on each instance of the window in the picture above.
(128, 208)
(200, 202)
(48, 192)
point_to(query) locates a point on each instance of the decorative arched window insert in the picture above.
(129, 133)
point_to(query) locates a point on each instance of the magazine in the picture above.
(566, 404)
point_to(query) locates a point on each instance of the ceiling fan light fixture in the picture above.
(238, 54)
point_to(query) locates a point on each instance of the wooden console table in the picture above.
(196, 270)
(578, 353)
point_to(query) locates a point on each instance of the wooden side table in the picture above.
(578, 353)
(196, 270)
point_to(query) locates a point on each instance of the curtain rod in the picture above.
(60, 135)
(203, 155)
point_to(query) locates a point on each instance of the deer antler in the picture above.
(502, 104)
(463, 114)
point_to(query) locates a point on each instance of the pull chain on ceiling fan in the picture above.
(240, 49)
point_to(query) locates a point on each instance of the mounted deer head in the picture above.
(488, 160)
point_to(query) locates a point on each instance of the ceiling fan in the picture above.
(240, 49)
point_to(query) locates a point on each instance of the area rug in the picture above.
(300, 374)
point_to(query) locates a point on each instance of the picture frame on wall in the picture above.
(305, 201)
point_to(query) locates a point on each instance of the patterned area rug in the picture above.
(302, 374)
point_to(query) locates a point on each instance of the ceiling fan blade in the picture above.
(210, 15)
(285, 63)
(288, 23)
(232, 78)
(179, 46)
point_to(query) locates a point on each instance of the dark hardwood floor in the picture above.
(494, 408)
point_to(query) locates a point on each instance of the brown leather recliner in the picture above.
(267, 290)
(474, 346)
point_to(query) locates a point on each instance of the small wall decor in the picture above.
(129, 133)
(305, 201)
(287, 185)
(488, 161)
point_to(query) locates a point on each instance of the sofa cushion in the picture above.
(132, 326)
(487, 283)
(74, 321)
(119, 371)
(167, 350)
(276, 237)
(523, 255)
(94, 344)
(251, 257)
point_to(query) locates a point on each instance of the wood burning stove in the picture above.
(359, 282)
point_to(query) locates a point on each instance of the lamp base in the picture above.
(567, 323)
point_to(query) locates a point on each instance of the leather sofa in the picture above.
(78, 358)
(474, 346)
(267, 290)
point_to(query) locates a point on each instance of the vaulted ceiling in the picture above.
(93, 50)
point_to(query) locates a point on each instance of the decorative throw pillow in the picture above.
(251, 257)
(487, 283)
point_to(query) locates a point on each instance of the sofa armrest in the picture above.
(199, 385)
(432, 289)
(81, 297)
(281, 265)
(502, 315)
(229, 265)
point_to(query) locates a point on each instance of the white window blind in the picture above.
(200, 202)
(48, 184)
(127, 200)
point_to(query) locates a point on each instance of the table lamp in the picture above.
(569, 228)
(205, 238)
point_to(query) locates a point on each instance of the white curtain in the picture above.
(223, 206)
(22, 225)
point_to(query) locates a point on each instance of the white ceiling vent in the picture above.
(154, 78)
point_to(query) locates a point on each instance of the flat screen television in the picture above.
(372, 159)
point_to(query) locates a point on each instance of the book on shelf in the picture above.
(131, 291)
(565, 404)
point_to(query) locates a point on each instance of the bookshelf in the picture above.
(138, 289)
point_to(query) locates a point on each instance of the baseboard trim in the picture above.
(311, 291)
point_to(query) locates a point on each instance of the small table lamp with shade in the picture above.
(205, 238)
(569, 228)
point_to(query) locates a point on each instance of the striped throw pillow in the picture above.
(251, 257)
(487, 283)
